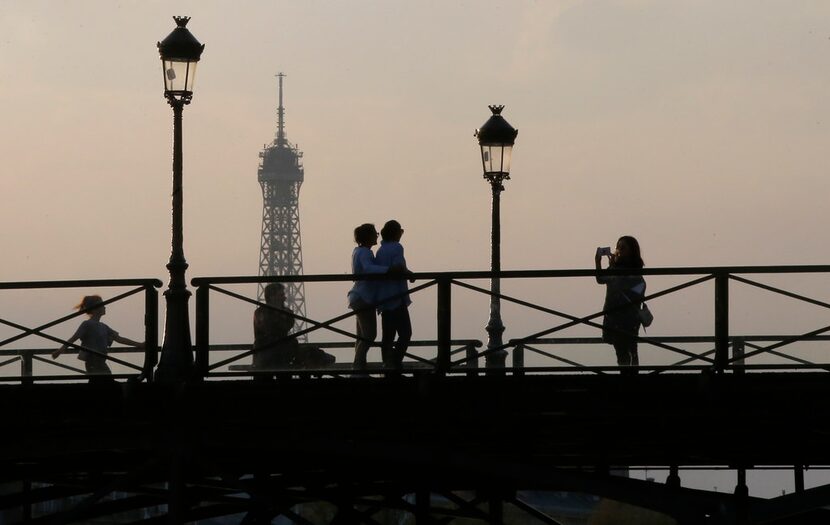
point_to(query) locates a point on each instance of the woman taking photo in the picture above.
(623, 297)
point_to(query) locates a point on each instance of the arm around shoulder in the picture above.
(367, 263)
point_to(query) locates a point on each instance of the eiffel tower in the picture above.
(281, 175)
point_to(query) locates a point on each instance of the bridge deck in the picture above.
(338, 439)
(562, 420)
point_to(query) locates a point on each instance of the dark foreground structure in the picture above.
(362, 445)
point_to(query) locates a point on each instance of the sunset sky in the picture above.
(700, 127)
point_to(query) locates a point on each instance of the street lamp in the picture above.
(179, 53)
(496, 138)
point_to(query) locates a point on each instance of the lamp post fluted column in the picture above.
(496, 138)
(179, 52)
(495, 327)
(176, 354)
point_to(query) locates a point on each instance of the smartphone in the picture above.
(606, 250)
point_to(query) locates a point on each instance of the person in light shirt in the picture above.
(363, 295)
(393, 299)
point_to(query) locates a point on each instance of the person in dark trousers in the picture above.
(95, 336)
(623, 296)
(393, 297)
(363, 295)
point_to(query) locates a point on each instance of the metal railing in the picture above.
(550, 348)
(27, 357)
(730, 352)
(444, 343)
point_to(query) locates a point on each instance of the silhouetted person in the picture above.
(393, 299)
(623, 296)
(271, 326)
(363, 295)
(96, 336)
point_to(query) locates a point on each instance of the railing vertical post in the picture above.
(471, 360)
(519, 360)
(721, 321)
(202, 330)
(26, 364)
(738, 347)
(151, 331)
(444, 324)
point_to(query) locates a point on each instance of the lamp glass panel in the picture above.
(496, 158)
(507, 154)
(179, 75)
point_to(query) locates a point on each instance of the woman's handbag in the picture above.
(643, 313)
(646, 317)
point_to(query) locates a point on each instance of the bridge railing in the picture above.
(726, 351)
(446, 346)
(27, 357)
(546, 349)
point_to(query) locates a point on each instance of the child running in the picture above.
(96, 336)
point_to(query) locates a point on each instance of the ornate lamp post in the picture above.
(180, 53)
(496, 138)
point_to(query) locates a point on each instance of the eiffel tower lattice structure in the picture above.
(280, 175)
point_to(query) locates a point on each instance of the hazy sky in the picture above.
(701, 127)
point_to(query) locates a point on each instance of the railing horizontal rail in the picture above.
(459, 342)
(62, 378)
(670, 339)
(69, 351)
(84, 283)
(517, 274)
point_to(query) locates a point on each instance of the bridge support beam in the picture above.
(673, 479)
(798, 475)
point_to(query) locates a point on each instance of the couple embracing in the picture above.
(390, 298)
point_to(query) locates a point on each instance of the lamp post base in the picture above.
(176, 362)
(497, 358)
